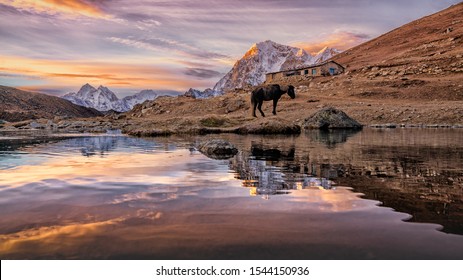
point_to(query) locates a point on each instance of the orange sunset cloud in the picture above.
(76, 73)
(69, 7)
(341, 40)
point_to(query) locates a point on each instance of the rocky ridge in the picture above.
(18, 105)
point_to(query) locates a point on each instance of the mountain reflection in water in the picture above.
(86, 197)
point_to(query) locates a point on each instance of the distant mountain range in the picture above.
(262, 58)
(103, 99)
(19, 105)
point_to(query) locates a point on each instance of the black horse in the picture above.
(266, 93)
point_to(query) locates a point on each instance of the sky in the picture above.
(56, 46)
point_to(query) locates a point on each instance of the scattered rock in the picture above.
(217, 149)
(329, 118)
(235, 105)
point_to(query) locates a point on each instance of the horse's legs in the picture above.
(254, 105)
(275, 101)
(259, 106)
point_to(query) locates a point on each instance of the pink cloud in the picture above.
(342, 40)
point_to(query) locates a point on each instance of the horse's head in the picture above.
(291, 92)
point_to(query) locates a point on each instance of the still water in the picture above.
(374, 194)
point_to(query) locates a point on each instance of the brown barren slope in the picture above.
(435, 39)
(19, 105)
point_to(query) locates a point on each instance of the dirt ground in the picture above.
(381, 102)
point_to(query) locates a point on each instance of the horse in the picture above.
(267, 93)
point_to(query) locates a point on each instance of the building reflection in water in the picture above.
(267, 172)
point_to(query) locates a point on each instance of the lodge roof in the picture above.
(309, 67)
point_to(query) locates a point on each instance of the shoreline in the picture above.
(211, 131)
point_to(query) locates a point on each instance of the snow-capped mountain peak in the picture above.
(325, 54)
(301, 53)
(265, 57)
(103, 99)
(86, 88)
(261, 58)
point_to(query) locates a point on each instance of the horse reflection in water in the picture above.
(263, 172)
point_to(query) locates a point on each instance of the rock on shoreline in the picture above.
(217, 149)
(331, 118)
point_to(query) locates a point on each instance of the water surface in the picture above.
(387, 194)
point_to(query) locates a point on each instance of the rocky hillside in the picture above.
(265, 57)
(18, 105)
(427, 45)
(419, 61)
(103, 99)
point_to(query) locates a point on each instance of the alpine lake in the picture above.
(369, 194)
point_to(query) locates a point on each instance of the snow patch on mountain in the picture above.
(138, 98)
(103, 99)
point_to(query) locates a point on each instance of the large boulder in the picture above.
(328, 118)
(217, 149)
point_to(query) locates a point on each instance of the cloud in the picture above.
(20, 76)
(202, 73)
(341, 40)
(147, 24)
(65, 74)
(52, 7)
(156, 44)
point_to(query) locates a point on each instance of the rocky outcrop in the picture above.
(217, 149)
(331, 118)
(269, 126)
